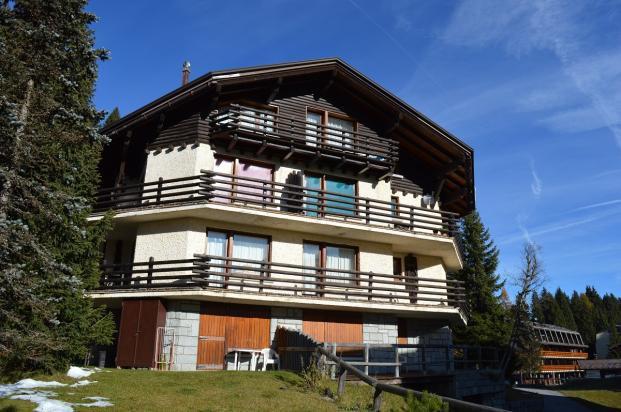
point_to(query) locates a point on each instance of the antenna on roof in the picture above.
(185, 73)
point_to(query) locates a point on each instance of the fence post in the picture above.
(411, 217)
(342, 377)
(158, 197)
(366, 358)
(333, 368)
(377, 400)
(368, 211)
(370, 286)
(150, 271)
(397, 361)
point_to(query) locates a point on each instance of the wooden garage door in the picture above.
(223, 327)
(333, 327)
(138, 329)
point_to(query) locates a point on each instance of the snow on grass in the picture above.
(28, 390)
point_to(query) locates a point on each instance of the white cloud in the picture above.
(558, 27)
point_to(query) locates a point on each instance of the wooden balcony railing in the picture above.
(562, 368)
(227, 189)
(252, 276)
(566, 354)
(295, 137)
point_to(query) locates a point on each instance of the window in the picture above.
(339, 199)
(243, 186)
(258, 119)
(236, 246)
(329, 128)
(338, 261)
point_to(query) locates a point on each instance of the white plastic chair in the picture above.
(270, 357)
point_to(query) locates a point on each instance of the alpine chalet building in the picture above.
(301, 195)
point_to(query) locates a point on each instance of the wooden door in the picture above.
(211, 336)
(224, 327)
(410, 264)
(333, 327)
(139, 322)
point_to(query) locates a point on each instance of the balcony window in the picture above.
(243, 182)
(257, 119)
(335, 259)
(340, 201)
(237, 246)
(331, 129)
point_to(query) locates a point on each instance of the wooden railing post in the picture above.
(397, 362)
(158, 197)
(333, 368)
(366, 358)
(150, 271)
(411, 217)
(370, 288)
(368, 214)
(377, 400)
(342, 378)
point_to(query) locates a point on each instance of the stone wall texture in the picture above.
(184, 317)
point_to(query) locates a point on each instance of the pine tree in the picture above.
(536, 311)
(551, 311)
(49, 254)
(582, 309)
(487, 324)
(562, 300)
(114, 115)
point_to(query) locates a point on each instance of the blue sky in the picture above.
(534, 86)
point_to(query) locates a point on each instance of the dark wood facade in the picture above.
(427, 155)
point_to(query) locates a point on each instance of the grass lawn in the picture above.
(602, 392)
(208, 391)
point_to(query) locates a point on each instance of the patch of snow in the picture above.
(45, 404)
(25, 390)
(76, 372)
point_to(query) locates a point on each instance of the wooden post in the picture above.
(333, 368)
(342, 378)
(368, 211)
(411, 217)
(150, 271)
(159, 190)
(366, 358)
(370, 289)
(397, 361)
(377, 400)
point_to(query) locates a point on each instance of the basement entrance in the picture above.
(225, 326)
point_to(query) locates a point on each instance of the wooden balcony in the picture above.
(220, 275)
(291, 137)
(564, 355)
(279, 199)
(559, 368)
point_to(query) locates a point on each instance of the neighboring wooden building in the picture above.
(298, 194)
(561, 349)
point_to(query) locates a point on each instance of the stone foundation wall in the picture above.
(184, 317)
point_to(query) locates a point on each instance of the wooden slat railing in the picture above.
(295, 136)
(563, 368)
(566, 354)
(252, 276)
(223, 188)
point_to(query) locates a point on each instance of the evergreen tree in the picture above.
(562, 300)
(487, 324)
(114, 115)
(551, 311)
(49, 255)
(582, 309)
(536, 311)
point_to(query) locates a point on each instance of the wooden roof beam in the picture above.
(275, 91)
(319, 94)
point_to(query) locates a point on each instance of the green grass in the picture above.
(209, 391)
(602, 392)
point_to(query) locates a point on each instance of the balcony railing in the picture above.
(292, 136)
(218, 273)
(564, 354)
(227, 189)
